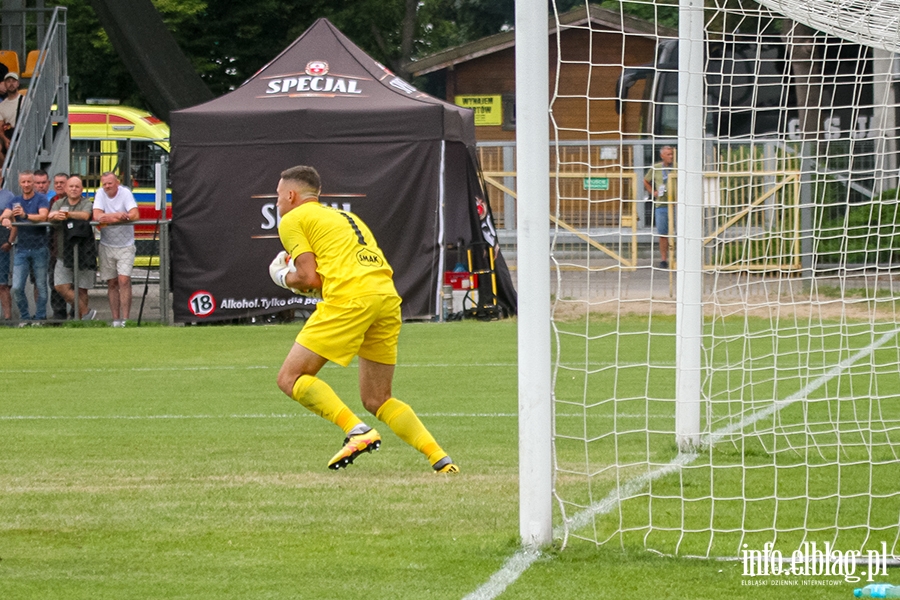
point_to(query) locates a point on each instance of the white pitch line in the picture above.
(513, 568)
(176, 368)
(566, 367)
(230, 416)
(833, 372)
(134, 369)
(145, 417)
(437, 415)
(401, 366)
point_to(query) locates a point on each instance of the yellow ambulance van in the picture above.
(127, 141)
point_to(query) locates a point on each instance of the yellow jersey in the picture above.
(350, 263)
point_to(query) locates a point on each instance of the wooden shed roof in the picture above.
(604, 18)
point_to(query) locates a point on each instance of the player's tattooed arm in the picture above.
(305, 277)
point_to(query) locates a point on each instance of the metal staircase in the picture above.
(41, 136)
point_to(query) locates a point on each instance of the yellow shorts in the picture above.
(367, 327)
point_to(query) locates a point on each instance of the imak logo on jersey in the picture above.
(314, 83)
(367, 258)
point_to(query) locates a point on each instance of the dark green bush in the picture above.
(861, 233)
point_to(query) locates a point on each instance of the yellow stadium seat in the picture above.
(11, 59)
(31, 62)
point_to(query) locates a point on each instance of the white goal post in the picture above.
(532, 144)
(734, 382)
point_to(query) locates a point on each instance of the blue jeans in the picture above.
(27, 260)
(662, 218)
(4, 267)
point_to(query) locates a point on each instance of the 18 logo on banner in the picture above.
(202, 303)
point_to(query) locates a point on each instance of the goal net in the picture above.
(735, 381)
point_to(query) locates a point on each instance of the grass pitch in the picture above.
(164, 463)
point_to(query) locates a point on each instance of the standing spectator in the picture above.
(5, 246)
(57, 303)
(42, 182)
(42, 186)
(71, 215)
(114, 204)
(9, 107)
(31, 245)
(59, 186)
(658, 183)
(59, 192)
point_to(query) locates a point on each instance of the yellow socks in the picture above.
(403, 421)
(317, 396)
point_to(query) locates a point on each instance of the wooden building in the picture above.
(588, 49)
(587, 59)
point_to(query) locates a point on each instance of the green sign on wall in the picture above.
(596, 183)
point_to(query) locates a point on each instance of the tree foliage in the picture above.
(227, 41)
(95, 70)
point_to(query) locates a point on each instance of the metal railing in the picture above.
(132, 160)
(151, 273)
(598, 204)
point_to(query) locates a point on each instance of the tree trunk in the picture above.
(806, 68)
(408, 34)
(408, 28)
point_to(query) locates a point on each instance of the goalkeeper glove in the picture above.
(280, 267)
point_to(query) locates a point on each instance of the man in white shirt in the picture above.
(113, 205)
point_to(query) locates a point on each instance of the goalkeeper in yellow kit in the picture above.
(333, 252)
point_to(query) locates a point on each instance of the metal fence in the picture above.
(133, 160)
(150, 280)
(598, 206)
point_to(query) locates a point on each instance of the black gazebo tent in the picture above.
(400, 159)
